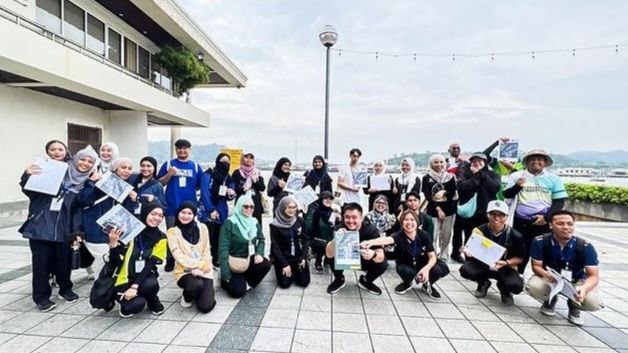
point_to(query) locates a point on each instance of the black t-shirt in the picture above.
(415, 252)
(441, 195)
(508, 238)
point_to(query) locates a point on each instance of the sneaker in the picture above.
(46, 305)
(336, 285)
(482, 289)
(69, 297)
(185, 303)
(548, 308)
(318, 268)
(403, 287)
(507, 298)
(369, 286)
(156, 307)
(457, 257)
(431, 291)
(574, 315)
(90, 273)
(169, 265)
(123, 314)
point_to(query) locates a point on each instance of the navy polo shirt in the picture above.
(564, 258)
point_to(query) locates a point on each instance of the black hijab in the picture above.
(316, 175)
(278, 172)
(138, 180)
(150, 235)
(220, 176)
(68, 155)
(321, 212)
(189, 231)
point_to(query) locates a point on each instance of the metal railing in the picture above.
(70, 44)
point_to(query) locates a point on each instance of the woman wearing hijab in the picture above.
(247, 178)
(50, 227)
(146, 186)
(409, 181)
(58, 151)
(278, 180)
(318, 178)
(216, 190)
(108, 153)
(289, 246)
(136, 263)
(319, 226)
(242, 249)
(380, 217)
(379, 171)
(189, 244)
(439, 189)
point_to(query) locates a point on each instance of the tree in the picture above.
(183, 66)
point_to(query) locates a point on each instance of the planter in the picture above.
(599, 211)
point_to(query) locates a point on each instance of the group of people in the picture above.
(419, 222)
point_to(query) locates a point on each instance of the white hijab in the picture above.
(115, 153)
(410, 177)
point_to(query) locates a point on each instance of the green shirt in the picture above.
(233, 243)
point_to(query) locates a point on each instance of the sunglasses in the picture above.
(248, 207)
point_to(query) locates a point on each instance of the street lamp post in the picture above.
(328, 38)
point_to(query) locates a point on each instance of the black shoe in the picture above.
(156, 307)
(574, 314)
(69, 297)
(336, 285)
(403, 287)
(431, 291)
(457, 257)
(507, 298)
(169, 265)
(46, 305)
(482, 289)
(369, 286)
(318, 268)
(548, 307)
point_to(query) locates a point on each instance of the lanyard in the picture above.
(416, 247)
(565, 255)
(141, 246)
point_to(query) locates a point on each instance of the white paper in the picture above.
(305, 196)
(114, 186)
(562, 286)
(380, 182)
(119, 217)
(360, 178)
(509, 151)
(51, 176)
(347, 255)
(294, 183)
(484, 249)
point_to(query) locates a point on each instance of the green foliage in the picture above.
(183, 66)
(598, 193)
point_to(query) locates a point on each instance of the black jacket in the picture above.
(281, 241)
(256, 191)
(485, 183)
(325, 183)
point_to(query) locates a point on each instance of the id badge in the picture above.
(332, 218)
(182, 181)
(318, 189)
(567, 274)
(222, 190)
(196, 255)
(56, 203)
(139, 266)
(251, 248)
(138, 209)
(403, 196)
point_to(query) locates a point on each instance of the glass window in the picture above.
(48, 14)
(143, 63)
(95, 35)
(114, 45)
(166, 81)
(130, 54)
(156, 70)
(74, 22)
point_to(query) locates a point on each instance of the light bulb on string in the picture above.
(533, 55)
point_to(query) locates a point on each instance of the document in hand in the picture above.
(119, 217)
(114, 186)
(561, 286)
(347, 244)
(360, 177)
(294, 183)
(380, 182)
(484, 249)
(305, 197)
(51, 176)
(509, 151)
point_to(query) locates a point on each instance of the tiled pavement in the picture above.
(269, 319)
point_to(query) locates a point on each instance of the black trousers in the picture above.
(50, 257)
(529, 232)
(464, 226)
(300, 276)
(373, 269)
(199, 289)
(408, 273)
(508, 279)
(236, 287)
(146, 296)
(318, 249)
(214, 237)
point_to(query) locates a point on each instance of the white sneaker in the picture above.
(90, 273)
(184, 303)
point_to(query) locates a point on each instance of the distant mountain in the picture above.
(610, 157)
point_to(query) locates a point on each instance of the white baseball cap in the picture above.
(497, 205)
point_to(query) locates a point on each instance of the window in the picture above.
(74, 22)
(114, 46)
(80, 136)
(143, 63)
(48, 14)
(95, 35)
(130, 54)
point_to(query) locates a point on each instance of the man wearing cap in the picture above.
(182, 177)
(536, 193)
(505, 270)
(477, 186)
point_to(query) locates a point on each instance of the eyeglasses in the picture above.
(248, 207)
(292, 207)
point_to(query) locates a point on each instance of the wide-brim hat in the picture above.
(538, 152)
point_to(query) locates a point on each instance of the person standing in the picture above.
(109, 152)
(350, 192)
(146, 186)
(182, 178)
(248, 179)
(536, 193)
(408, 182)
(439, 188)
(318, 178)
(278, 181)
(379, 171)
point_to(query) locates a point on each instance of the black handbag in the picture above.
(102, 294)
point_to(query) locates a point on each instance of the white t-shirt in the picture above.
(347, 174)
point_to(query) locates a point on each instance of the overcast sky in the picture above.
(556, 101)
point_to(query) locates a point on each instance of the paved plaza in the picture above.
(270, 319)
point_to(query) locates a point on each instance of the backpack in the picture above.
(102, 294)
(581, 245)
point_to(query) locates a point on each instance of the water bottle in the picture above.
(76, 255)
